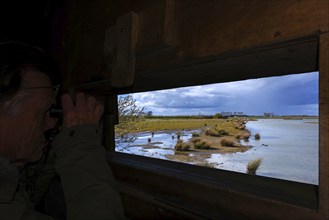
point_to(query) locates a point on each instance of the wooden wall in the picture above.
(190, 30)
(193, 42)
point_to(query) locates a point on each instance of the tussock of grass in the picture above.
(195, 140)
(215, 132)
(202, 145)
(253, 165)
(226, 143)
(181, 146)
(246, 137)
(195, 134)
(223, 132)
(240, 125)
(212, 132)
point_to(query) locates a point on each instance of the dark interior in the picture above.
(294, 39)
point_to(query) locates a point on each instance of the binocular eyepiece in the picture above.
(56, 111)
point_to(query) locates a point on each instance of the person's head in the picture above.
(27, 77)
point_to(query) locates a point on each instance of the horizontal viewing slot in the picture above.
(265, 127)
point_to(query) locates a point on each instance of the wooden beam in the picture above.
(124, 57)
(324, 126)
(156, 27)
(288, 57)
(211, 193)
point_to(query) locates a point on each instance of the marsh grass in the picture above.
(246, 136)
(181, 146)
(215, 127)
(253, 165)
(227, 143)
(195, 140)
(195, 134)
(212, 132)
(223, 132)
(202, 145)
(187, 124)
(216, 132)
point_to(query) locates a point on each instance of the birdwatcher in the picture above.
(37, 165)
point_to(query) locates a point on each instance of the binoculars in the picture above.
(56, 111)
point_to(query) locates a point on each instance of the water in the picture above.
(162, 144)
(288, 148)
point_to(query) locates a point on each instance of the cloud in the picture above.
(291, 94)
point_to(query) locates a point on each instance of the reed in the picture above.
(227, 143)
(181, 146)
(253, 165)
(202, 145)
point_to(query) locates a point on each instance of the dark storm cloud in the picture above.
(292, 94)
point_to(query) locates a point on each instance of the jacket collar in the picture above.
(9, 179)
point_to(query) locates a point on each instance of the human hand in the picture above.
(87, 110)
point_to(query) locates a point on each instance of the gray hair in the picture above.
(15, 57)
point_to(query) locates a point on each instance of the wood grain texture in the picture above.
(210, 28)
(324, 126)
(199, 29)
(124, 55)
(156, 27)
(207, 193)
(296, 56)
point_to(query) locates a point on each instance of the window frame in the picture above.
(290, 193)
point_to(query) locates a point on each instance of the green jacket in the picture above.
(89, 186)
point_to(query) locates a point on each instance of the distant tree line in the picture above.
(181, 116)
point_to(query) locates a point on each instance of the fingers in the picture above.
(67, 102)
(80, 101)
(68, 111)
(91, 103)
(99, 108)
(87, 110)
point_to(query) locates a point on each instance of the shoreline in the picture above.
(268, 147)
(234, 132)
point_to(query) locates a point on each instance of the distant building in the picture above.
(268, 114)
(232, 114)
(226, 114)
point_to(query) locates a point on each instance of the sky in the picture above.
(295, 94)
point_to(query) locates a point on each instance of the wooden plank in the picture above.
(296, 56)
(324, 126)
(126, 36)
(208, 28)
(200, 29)
(110, 120)
(156, 205)
(156, 27)
(109, 43)
(211, 193)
